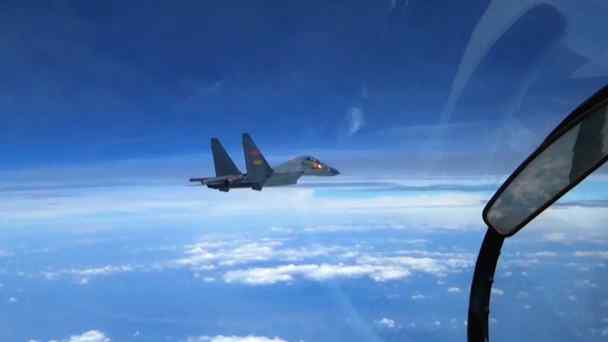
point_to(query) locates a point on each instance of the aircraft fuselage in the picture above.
(259, 173)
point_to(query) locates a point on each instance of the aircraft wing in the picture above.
(215, 180)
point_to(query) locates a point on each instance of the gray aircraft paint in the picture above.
(259, 173)
(224, 166)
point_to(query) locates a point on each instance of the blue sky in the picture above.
(424, 107)
(84, 83)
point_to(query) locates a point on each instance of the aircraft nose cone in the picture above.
(334, 172)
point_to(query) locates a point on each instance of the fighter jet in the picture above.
(259, 173)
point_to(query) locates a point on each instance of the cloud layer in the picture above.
(221, 338)
(89, 336)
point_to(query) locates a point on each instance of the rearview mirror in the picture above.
(574, 149)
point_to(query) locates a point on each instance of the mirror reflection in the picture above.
(563, 163)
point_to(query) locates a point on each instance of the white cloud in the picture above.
(568, 225)
(542, 254)
(317, 272)
(221, 338)
(209, 255)
(102, 271)
(362, 264)
(13, 300)
(523, 262)
(555, 237)
(355, 118)
(228, 254)
(591, 254)
(386, 323)
(89, 336)
(261, 276)
(283, 230)
(497, 292)
(419, 210)
(85, 274)
(205, 255)
(439, 265)
(418, 296)
(454, 290)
